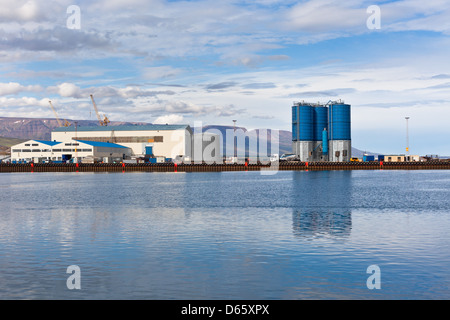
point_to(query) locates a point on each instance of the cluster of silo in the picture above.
(321, 132)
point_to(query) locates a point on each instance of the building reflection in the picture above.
(322, 206)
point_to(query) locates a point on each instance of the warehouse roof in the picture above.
(148, 127)
(50, 143)
(101, 144)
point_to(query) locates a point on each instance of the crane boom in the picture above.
(103, 122)
(56, 115)
(96, 111)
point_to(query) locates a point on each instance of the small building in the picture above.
(394, 158)
(401, 158)
(412, 158)
(74, 150)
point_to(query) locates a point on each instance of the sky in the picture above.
(212, 62)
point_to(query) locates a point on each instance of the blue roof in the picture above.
(148, 127)
(50, 143)
(102, 144)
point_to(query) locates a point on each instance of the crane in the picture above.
(105, 120)
(66, 123)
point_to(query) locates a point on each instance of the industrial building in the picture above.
(321, 132)
(116, 143)
(39, 151)
(168, 141)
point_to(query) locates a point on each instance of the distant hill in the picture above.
(6, 143)
(41, 128)
(285, 137)
(356, 153)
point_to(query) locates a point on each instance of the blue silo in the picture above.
(339, 132)
(320, 121)
(339, 122)
(303, 130)
(302, 123)
(294, 123)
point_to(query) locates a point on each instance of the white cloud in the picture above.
(20, 10)
(15, 88)
(169, 119)
(66, 89)
(327, 16)
(22, 102)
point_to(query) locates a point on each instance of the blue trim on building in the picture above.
(101, 144)
(50, 143)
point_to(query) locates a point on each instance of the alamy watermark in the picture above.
(374, 280)
(74, 280)
(250, 147)
(374, 20)
(74, 20)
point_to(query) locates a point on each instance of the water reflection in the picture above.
(316, 224)
(326, 210)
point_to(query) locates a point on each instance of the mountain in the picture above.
(255, 136)
(41, 128)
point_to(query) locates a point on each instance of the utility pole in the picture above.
(407, 138)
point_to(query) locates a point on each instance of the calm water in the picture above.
(231, 235)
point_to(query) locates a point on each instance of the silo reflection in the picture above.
(322, 206)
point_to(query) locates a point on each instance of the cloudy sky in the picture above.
(173, 61)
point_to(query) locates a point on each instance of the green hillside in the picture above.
(8, 142)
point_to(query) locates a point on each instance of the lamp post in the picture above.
(234, 140)
(407, 138)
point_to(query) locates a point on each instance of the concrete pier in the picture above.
(171, 167)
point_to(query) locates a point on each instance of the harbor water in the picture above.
(226, 235)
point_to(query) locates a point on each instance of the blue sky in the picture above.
(215, 61)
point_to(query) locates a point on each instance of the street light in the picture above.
(407, 138)
(234, 140)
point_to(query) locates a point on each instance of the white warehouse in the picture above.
(42, 151)
(168, 141)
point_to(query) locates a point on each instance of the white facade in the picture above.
(43, 151)
(168, 140)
